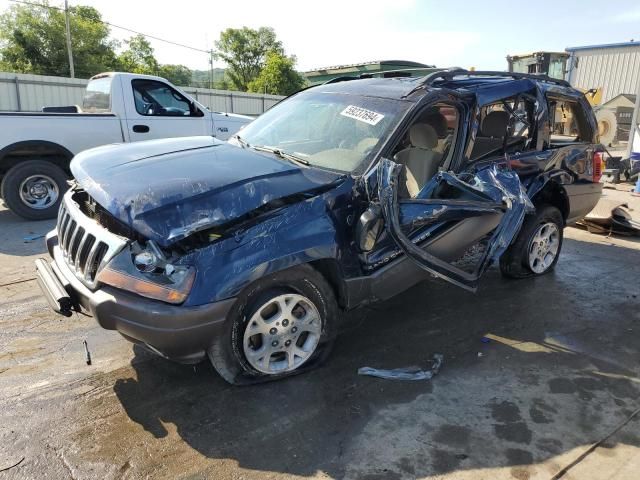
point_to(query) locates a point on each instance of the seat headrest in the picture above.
(422, 135)
(439, 122)
(495, 124)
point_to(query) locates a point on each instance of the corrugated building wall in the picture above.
(613, 67)
(29, 93)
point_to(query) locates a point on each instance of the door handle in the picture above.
(141, 128)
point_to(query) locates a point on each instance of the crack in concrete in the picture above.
(593, 447)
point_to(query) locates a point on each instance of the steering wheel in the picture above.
(153, 109)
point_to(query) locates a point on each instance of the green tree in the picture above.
(32, 40)
(176, 74)
(278, 76)
(245, 52)
(138, 57)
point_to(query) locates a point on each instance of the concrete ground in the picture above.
(557, 385)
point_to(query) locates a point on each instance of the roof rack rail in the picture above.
(449, 73)
(343, 78)
(400, 72)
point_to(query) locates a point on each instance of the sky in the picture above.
(322, 33)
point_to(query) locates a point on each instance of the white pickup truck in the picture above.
(36, 148)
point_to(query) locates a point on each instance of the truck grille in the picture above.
(85, 245)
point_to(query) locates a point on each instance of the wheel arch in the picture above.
(18, 152)
(552, 193)
(330, 269)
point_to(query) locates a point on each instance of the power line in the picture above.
(115, 26)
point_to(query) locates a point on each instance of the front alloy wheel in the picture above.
(280, 325)
(282, 334)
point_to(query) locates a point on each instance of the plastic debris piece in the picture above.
(485, 340)
(87, 353)
(406, 373)
(31, 238)
(480, 354)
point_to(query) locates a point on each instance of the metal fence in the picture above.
(29, 93)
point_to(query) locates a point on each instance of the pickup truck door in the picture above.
(451, 215)
(154, 109)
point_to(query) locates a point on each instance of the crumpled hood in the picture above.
(167, 189)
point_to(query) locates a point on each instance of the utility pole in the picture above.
(211, 69)
(66, 21)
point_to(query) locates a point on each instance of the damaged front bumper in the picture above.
(180, 333)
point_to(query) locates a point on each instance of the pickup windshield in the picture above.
(328, 130)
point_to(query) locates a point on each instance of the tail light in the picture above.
(598, 159)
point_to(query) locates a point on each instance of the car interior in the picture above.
(504, 127)
(426, 147)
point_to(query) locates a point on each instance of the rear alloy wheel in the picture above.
(281, 325)
(543, 248)
(536, 249)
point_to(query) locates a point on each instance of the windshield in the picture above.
(329, 130)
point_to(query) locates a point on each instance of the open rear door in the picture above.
(492, 197)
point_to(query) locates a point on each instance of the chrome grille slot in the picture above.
(74, 245)
(83, 251)
(86, 246)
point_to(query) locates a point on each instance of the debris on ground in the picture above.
(31, 238)
(87, 353)
(485, 340)
(612, 217)
(12, 466)
(406, 373)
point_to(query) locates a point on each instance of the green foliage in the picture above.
(202, 78)
(32, 40)
(245, 52)
(278, 76)
(176, 74)
(138, 57)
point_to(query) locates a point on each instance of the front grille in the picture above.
(95, 211)
(85, 244)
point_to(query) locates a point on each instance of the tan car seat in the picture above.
(420, 160)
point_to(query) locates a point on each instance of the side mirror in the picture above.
(369, 227)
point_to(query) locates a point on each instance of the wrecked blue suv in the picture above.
(249, 251)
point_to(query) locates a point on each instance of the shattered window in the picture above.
(505, 127)
(567, 122)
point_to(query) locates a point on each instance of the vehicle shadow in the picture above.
(558, 369)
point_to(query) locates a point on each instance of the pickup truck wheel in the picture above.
(536, 249)
(280, 326)
(34, 189)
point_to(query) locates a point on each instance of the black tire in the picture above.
(16, 175)
(514, 263)
(226, 353)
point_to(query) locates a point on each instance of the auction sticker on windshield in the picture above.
(362, 114)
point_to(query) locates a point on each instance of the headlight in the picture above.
(146, 271)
